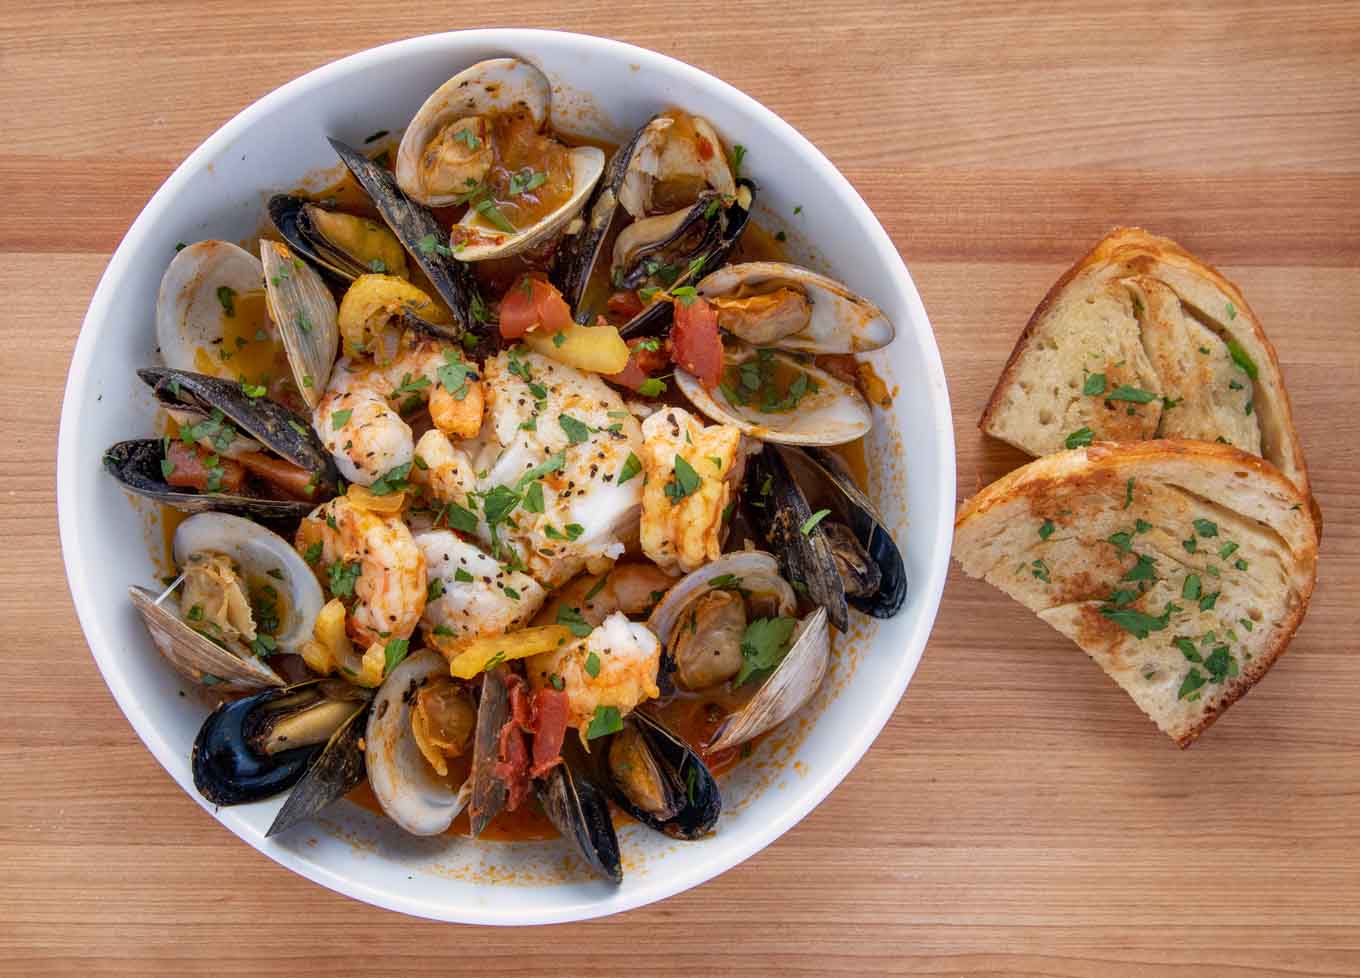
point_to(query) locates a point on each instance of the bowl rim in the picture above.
(690, 871)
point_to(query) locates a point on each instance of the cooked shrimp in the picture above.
(615, 666)
(632, 588)
(359, 418)
(443, 471)
(372, 558)
(470, 593)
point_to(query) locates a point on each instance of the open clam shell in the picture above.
(408, 789)
(422, 237)
(830, 411)
(820, 315)
(755, 574)
(790, 686)
(304, 311)
(256, 747)
(587, 165)
(192, 655)
(190, 311)
(263, 556)
(491, 87)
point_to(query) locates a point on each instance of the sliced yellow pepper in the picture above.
(472, 656)
(599, 349)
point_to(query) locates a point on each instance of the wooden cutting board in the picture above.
(1018, 816)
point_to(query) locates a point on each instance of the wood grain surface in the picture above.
(1018, 815)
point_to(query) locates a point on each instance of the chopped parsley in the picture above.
(463, 576)
(394, 652)
(605, 721)
(1046, 530)
(811, 522)
(227, 297)
(1095, 384)
(341, 418)
(393, 480)
(684, 482)
(1080, 438)
(1242, 358)
(631, 467)
(1206, 528)
(578, 432)
(453, 374)
(1137, 395)
(592, 665)
(763, 646)
(525, 180)
(1137, 623)
(341, 577)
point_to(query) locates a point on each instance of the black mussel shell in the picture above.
(694, 790)
(777, 509)
(489, 793)
(694, 237)
(852, 508)
(283, 432)
(230, 766)
(334, 774)
(579, 253)
(421, 235)
(136, 464)
(580, 812)
(729, 223)
(289, 214)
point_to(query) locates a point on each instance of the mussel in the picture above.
(579, 811)
(452, 153)
(343, 245)
(790, 654)
(261, 745)
(845, 556)
(242, 453)
(657, 778)
(422, 237)
(211, 630)
(400, 745)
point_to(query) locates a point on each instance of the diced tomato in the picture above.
(190, 469)
(533, 303)
(705, 149)
(624, 305)
(550, 729)
(512, 763)
(292, 479)
(642, 362)
(697, 346)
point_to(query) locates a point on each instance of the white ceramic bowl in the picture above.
(602, 87)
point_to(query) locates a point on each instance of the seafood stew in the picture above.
(503, 470)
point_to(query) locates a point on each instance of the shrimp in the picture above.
(614, 667)
(443, 471)
(632, 587)
(359, 418)
(372, 558)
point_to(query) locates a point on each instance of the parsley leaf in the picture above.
(605, 721)
(631, 467)
(393, 480)
(763, 646)
(811, 522)
(578, 626)
(1080, 438)
(342, 576)
(578, 432)
(1095, 384)
(394, 653)
(341, 418)
(1137, 395)
(684, 482)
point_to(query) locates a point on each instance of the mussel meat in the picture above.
(658, 779)
(344, 245)
(256, 747)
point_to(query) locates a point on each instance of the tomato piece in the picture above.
(631, 376)
(647, 356)
(533, 303)
(280, 473)
(624, 305)
(840, 365)
(697, 346)
(190, 469)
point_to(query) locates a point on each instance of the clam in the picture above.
(845, 558)
(344, 245)
(411, 791)
(675, 156)
(209, 632)
(304, 312)
(258, 458)
(212, 317)
(422, 237)
(658, 779)
(780, 397)
(259, 746)
(681, 623)
(452, 153)
(769, 303)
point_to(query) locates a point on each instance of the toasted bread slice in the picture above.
(1181, 567)
(1140, 340)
